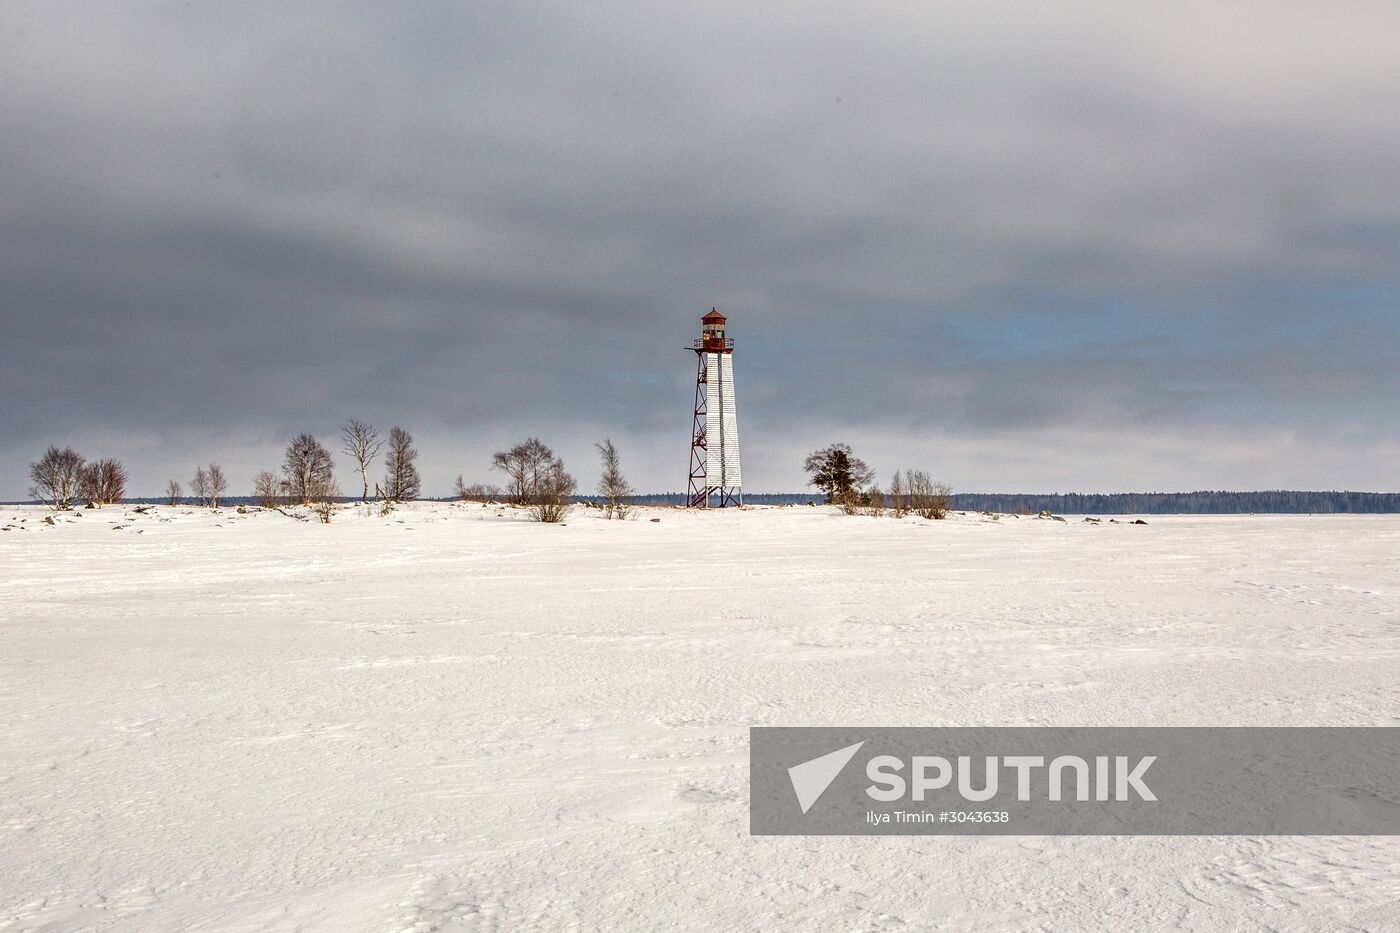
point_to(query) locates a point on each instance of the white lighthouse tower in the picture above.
(715, 480)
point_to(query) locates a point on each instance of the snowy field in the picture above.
(455, 719)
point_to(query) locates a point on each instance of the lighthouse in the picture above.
(714, 437)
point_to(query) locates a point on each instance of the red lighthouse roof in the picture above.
(714, 317)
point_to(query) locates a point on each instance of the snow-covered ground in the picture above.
(453, 718)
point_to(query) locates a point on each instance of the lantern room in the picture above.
(712, 331)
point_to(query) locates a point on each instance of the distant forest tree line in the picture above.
(1280, 501)
(1283, 502)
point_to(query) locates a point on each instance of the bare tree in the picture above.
(102, 482)
(112, 477)
(324, 493)
(401, 479)
(306, 468)
(476, 492)
(460, 489)
(89, 486)
(849, 501)
(265, 490)
(56, 477)
(217, 485)
(524, 466)
(550, 498)
(386, 505)
(361, 442)
(927, 498)
(897, 497)
(199, 486)
(537, 479)
(173, 492)
(612, 485)
(875, 502)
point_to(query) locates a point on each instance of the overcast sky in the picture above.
(1028, 247)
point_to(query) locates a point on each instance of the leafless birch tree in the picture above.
(306, 469)
(524, 465)
(324, 493)
(612, 485)
(536, 479)
(361, 442)
(112, 477)
(927, 498)
(89, 486)
(199, 486)
(897, 498)
(218, 485)
(476, 492)
(102, 482)
(401, 479)
(265, 489)
(56, 477)
(551, 497)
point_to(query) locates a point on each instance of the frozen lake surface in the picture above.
(455, 719)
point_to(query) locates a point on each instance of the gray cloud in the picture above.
(1032, 246)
